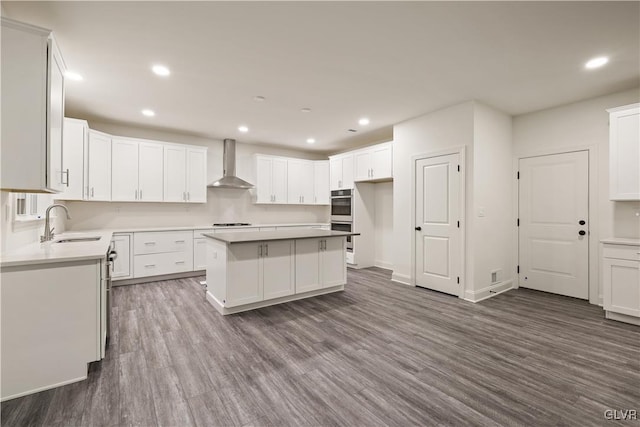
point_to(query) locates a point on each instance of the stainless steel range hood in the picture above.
(229, 178)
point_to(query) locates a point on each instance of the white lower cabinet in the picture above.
(162, 252)
(621, 282)
(319, 263)
(52, 324)
(122, 264)
(199, 253)
(260, 271)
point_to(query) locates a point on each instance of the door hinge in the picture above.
(458, 168)
(518, 174)
(458, 279)
(458, 224)
(518, 222)
(518, 269)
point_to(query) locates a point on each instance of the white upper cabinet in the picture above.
(74, 148)
(32, 110)
(175, 174)
(150, 172)
(196, 175)
(341, 170)
(271, 179)
(624, 152)
(124, 170)
(300, 181)
(321, 191)
(185, 174)
(99, 166)
(374, 163)
(136, 170)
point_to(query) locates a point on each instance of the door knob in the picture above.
(418, 228)
(582, 232)
(582, 222)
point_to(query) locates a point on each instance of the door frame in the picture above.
(461, 151)
(595, 287)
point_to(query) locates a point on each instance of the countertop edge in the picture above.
(620, 241)
(248, 237)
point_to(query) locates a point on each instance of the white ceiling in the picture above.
(388, 61)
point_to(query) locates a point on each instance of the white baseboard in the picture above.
(488, 292)
(401, 278)
(383, 264)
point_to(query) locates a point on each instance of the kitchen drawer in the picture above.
(631, 253)
(162, 241)
(163, 263)
(198, 233)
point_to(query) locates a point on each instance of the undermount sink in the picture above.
(77, 239)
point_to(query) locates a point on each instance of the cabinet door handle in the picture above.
(188, 196)
(179, 262)
(266, 250)
(302, 199)
(136, 195)
(140, 194)
(371, 172)
(179, 241)
(259, 251)
(66, 173)
(149, 243)
(149, 265)
(91, 192)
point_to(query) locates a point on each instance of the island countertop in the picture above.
(261, 236)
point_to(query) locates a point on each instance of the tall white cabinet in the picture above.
(624, 152)
(32, 110)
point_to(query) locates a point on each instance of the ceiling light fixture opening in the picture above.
(148, 113)
(363, 121)
(161, 70)
(72, 75)
(311, 141)
(596, 62)
(243, 129)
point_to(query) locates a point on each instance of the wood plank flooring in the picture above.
(377, 354)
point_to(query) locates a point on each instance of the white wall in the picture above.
(493, 181)
(582, 124)
(440, 130)
(383, 224)
(223, 205)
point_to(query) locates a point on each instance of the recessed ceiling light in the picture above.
(311, 141)
(363, 121)
(71, 75)
(596, 62)
(243, 129)
(259, 98)
(306, 110)
(148, 113)
(161, 70)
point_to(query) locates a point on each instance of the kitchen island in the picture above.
(250, 270)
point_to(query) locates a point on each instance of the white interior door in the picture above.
(438, 237)
(554, 223)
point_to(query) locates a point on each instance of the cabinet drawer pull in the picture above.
(149, 265)
(179, 262)
(149, 243)
(179, 241)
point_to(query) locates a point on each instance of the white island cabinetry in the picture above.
(252, 270)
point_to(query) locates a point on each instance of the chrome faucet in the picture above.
(48, 232)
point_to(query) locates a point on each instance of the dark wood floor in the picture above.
(377, 354)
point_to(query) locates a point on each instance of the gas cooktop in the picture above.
(230, 224)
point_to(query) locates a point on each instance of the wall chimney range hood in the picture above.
(229, 178)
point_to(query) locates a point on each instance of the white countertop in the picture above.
(51, 252)
(262, 236)
(207, 227)
(621, 241)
